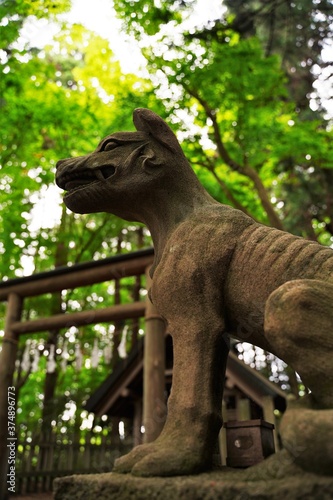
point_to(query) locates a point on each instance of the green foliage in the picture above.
(13, 13)
(53, 108)
(149, 17)
(297, 31)
(233, 93)
(59, 102)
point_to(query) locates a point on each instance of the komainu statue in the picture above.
(216, 273)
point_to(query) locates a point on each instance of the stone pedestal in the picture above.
(224, 484)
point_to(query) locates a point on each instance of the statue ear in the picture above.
(150, 159)
(149, 122)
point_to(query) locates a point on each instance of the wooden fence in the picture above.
(41, 459)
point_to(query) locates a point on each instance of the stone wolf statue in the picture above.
(216, 272)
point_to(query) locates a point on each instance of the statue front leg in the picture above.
(187, 442)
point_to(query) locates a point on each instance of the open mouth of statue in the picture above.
(75, 180)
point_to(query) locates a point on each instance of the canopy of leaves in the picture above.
(248, 127)
(59, 101)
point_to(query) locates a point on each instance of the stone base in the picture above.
(225, 483)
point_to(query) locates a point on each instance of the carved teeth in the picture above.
(99, 175)
(72, 179)
(103, 173)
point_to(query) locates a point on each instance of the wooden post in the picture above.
(223, 435)
(137, 422)
(7, 367)
(154, 403)
(243, 409)
(268, 411)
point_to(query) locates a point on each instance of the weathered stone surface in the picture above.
(308, 434)
(225, 485)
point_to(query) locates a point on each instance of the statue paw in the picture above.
(125, 464)
(165, 457)
(171, 462)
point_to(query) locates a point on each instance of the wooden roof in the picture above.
(118, 394)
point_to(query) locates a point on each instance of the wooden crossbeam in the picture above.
(66, 320)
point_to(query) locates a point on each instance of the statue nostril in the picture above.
(61, 163)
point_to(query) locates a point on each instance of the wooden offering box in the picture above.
(248, 442)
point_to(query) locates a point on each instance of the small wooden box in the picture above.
(248, 442)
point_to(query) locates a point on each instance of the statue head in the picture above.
(126, 166)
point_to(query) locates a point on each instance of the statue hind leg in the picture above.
(299, 327)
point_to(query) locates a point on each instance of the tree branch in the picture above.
(218, 140)
(273, 218)
(235, 203)
(248, 171)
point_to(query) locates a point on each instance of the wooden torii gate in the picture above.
(64, 278)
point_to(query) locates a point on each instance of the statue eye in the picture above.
(110, 145)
